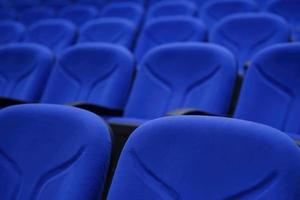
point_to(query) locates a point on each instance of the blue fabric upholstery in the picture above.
(100, 74)
(214, 11)
(172, 8)
(57, 152)
(56, 34)
(56, 3)
(161, 31)
(23, 4)
(140, 2)
(270, 94)
(246, 34)
(7, 14)
(130, 11)
(79, 14)
(290, 10)
(207, 158)
(183, 75)
(109, 30)
(11, 32)
(32, 15)
(24, 70)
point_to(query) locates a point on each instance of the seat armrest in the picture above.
(5, 102)
(191, 111)
(97, 109)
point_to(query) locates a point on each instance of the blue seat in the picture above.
(5, 3)
(140, 2)
(214, 11)
(270, 94)
(161, 31)
(99, 74)
(79, 14)
(180, 76)
(24, 4)
(97, 3)
(130, 11)
(172, 8)
(207, 158)
(262, 4)
(58, 152)
(11, 32)
(24, 70)
(246, 34)
(56, 34)
(56, 4)
(290, 11)
(7, 14)
(109, 30)
(34, 14)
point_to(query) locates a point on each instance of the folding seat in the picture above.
(246, 34)
(7, 14)
(52, 152)
(180, 76)
(270, 94)
(32, 15)
(207, 158)
(79, 14)
(95, 74)
(290, 11)
(214, 11)
(56, 34)
(11, 32)
(109, 30)
(24, 69)
(161, 31)
(24, 4)
(172, 8)
(131, 11)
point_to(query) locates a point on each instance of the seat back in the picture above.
(58, 152)
(23, 4)
(214, 11)
(207, 158)
(246, 34)
(161, 31)
(24, 70)
(56, 34)
(79, 14)
(290, 11)
(109, 30)
(172, 8)
(11, 32)
(56, 4)
(32, 15)
(190, 75)
(130, 11)
(270, 94)
(7, 14)
(99, 74)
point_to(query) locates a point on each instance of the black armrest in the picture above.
(5, 102)
(190, 111)
(97, 109)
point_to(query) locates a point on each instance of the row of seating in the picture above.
(61, 152)
(190, 75)
(78, 14)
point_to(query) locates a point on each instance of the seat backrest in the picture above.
(23, 4)
(183, 75)
(213, 11)
(99, 74)
(32, 15)
(140, 2)
(246, 34)
(109, 30)
(58, 152)
(11, 32)
(24, 69)
(79, 14)
(56, 34)
(57, 4)
(290, 11)
(172, 8)
(161, 31)
(207, 158)
(130, 11)
(271, 94)
(7, 14)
